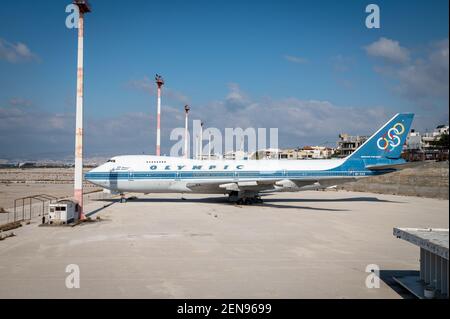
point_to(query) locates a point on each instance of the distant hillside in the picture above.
(428, 180)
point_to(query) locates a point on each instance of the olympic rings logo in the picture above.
(391, 138)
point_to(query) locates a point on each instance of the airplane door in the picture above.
(130, 176)
(177, 176)
(236, 175)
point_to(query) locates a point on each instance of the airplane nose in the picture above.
(89, 176)
(93, 174)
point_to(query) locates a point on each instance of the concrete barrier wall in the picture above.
(427, 180)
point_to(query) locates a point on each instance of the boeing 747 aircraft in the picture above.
(245, 180)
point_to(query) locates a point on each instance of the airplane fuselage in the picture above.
(153, 174)
(380, 154)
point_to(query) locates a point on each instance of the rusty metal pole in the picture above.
(83, 7)
(78, 184)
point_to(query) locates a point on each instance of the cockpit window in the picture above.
(111, 161)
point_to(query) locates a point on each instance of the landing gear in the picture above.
(245, 198)
(123, 198)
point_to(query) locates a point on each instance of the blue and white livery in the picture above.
(245, 180)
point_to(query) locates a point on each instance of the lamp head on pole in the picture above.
(83, 6)
(187, 108)
(159, 80)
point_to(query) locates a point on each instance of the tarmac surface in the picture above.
(314, 244)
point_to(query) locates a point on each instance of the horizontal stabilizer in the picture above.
(395, 166)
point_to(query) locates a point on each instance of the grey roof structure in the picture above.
(433, 240)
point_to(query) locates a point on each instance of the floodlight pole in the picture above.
(159, 82)
(200, 142)
(186, 110)
(83, 7)
(209, 146)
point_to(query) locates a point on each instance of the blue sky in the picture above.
(283, 64)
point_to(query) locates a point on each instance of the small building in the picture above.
(291, 153)
(205, 157)
(307, 152)
(315, 152)
(442, 129)
(429, 138)
(62, 212)
(426, 146)
(236, 155)
(347, 144)
(268, 153)
(413, 141)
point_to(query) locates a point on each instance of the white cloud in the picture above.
(300, 122)
(427, 77)
(236, 99)
(295, 59)
(389, 50)
(424, 80)
(18, 101)
(15, 52)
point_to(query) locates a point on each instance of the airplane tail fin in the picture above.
(388, 141)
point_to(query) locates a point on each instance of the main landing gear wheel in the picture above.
(245, 200)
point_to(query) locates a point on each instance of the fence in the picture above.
(26, 208)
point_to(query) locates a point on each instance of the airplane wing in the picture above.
(268, 185)
(228, 187)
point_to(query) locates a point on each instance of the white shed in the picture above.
(62, 212)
